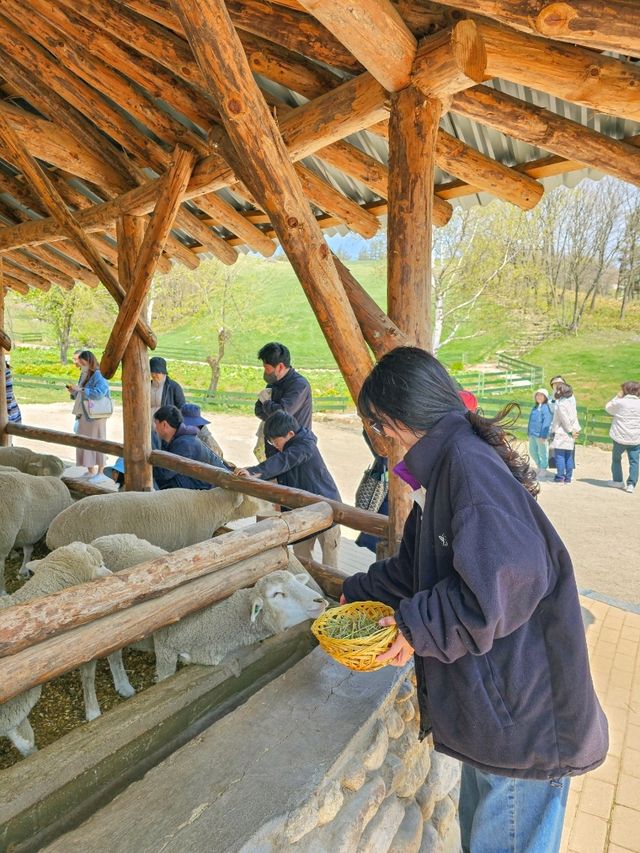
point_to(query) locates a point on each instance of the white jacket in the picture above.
(565, 422)
(625, 428)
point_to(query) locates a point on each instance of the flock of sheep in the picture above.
(102, 534)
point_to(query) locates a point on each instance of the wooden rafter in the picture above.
(164, 213)
(256, 139)
(605, 26)
(51, 199)
(364, 26)
(450, 61)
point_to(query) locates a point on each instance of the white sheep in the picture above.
(171, 519)
(25, 460)
(278, 601)
(28, 505)
(65, 567)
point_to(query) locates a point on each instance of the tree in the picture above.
(629, 250)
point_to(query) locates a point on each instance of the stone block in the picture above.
(354, 776)
(426, 801)
(444, 814)
(430, 842)
(417, 765)
(405, 691)
(407, 711)
(395, 724)
(375, 754)
(409, 835)
(302, 821)
(444, 774)
(343, 834)
(331, 801)
(392, 771)
(381, 829)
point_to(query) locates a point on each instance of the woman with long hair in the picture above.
(485, 600)
(91, 386)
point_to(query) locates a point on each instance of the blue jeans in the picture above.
(633, 452)
(499, 814)
(564, 465)
(539, 452)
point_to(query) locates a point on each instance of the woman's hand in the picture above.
(400, 651)
(343, 600)
(241, 472)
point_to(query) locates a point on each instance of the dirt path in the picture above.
(600, 525)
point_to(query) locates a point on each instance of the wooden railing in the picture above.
(357, 519)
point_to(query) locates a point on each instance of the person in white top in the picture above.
(565, 428)
(625, 433)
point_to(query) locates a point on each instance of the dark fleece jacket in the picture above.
(484, 591)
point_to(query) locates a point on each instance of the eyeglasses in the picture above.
(377, 427)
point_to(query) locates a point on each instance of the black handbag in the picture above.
(372, 489)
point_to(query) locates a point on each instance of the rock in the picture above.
(331, 799)
(407, 711)
(444, 775)
(430, 840)
(405, 691)
(416, 768)
(407, 744)
(395, 724)
(444, 813)
(426, 801)
(409, 835)
(302, 821)
(354, 777)
(343, 834)
(392, 771)
(381, 829)
(376, 753)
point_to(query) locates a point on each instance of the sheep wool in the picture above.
(171, 519)
(27, 507)
(25, 460)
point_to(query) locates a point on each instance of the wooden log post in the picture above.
(329, 579)
(39, 619)
(176, 181)
(4, 413)
(263, 164)
(136, 379)
(413, 130)
(54, 203)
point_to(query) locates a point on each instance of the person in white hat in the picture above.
(540, 419)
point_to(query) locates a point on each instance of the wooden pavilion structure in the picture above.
(137, 133)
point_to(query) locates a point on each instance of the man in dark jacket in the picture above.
(286, 389)
(297, 463)
(176, 437)
(164, 391)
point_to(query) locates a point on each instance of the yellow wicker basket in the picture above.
(358, 653)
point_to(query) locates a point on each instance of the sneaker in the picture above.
(630, 488)
(567, 482)
(557, 479)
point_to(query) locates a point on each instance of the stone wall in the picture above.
(397, 796)
(321, 760)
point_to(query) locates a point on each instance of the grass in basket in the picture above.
(351, 634)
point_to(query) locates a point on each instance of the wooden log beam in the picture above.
(413, 132)
(381, 333)
(365, 25)
(34, 621)
(354, 106)
(136, 379)
(358, 519)
(604, 26)
(30, 278)
(269, 174)
(331, 201)
(49, 273)
(450, 60)
(51, 199)
(545, 129)
(226, 215)
(68, 439)
(174, 185)
(16, 284)
(566, 71)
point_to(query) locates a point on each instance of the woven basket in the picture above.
(359, 654)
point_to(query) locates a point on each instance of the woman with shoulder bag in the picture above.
(92, 407)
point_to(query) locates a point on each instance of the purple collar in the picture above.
(403, 472)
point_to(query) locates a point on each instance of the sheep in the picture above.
(171, 519)
(278, 601)
(65, 567)
(25, 460)
(28, 506)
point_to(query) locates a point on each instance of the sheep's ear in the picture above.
(303, 577)
(32, 565)
(256, 606)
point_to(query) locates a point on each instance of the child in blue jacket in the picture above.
(538, 431)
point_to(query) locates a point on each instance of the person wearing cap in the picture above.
(164, 391)
(116, 472)
(176, 437)
(540, 419)
(192, 416)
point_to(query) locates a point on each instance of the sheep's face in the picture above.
(79, 561)
(285, 600)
